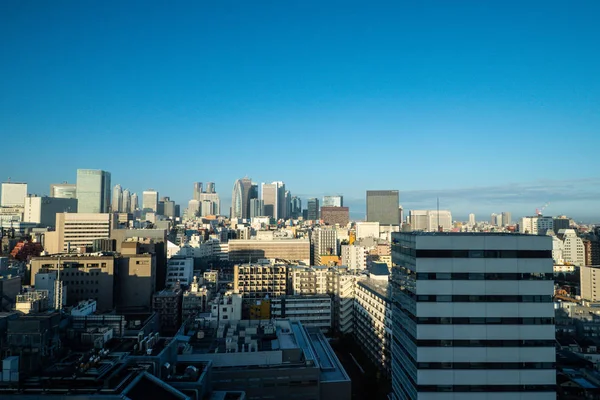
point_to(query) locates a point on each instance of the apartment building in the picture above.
(252, 250)
(180, 271)
(354, 257)
(257, 281)
(303, 280)
(473, 316)
(312, 311)
(195, 300)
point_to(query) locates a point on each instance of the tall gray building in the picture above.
(296, 207)
(210, 187)
(197, 190)
(313, 209)
(126, 201)
(333, 201)
(93, 191)
(150, 200)
(117, 199)
(383, 207)
(273, 196)
(256, 208)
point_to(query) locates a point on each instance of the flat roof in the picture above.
(381, 288)
(422, 233)
(331, 368)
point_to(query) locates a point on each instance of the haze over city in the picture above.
(488, 106)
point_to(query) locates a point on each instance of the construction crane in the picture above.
(539, 211)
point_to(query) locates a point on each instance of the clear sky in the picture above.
(490, 105)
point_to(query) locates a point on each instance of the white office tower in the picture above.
(117, 199)
(135, 204)
(333, 201)
(126, 201)
(63, 190)
(473, 316)
(13, 194)
(471, 219)
(93, 191)
(150, 200)
(193, 209)
(571, 247)
(210, 204)
(537, 225)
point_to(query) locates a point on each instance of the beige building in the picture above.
(285, 249)
(136, 277)
(84, 276)
(78, 230)
(588, 276)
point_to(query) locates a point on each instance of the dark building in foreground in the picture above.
(383, 207)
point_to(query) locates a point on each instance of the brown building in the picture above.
(167, 304)
(85, 277)
(335, 215)
(285, 249)
(136, 277)
(257, 281)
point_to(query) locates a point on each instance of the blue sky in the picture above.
(493, 106)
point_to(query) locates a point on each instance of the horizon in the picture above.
(489, 106)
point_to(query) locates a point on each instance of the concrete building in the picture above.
(279, 359)
(13, 194)
(78, 230)
(150, 200)
(138, 275)
(382, 207)
(308, 281)
(324, 242)
(506, 218)
(335, 215)
(273, 196)
(537, 225)
(167, 304)
(367, 229)
(180, 271)
(63, 190)
(135, 203)
(257, 281)
(373, 320)
(333, 201)
(571, 247)
(93, 191)
(127, 202)
(32, 302)
(311, 311)
(10, 287)
(197, 190)
(252, 250)
(473, 316)
(84, 277)
(313, 209)
(210, 204)
(195, 300)
(354, 257)
(227, 307)
(43, 210)
(430, 220)
(256, 208)
(588, 276)
(193, 209)
(471, 219)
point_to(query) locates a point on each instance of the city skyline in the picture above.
(463, 96)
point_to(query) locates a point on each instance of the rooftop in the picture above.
(422, 233)
(380, 288)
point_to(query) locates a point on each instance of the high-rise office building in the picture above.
(536, 225)
(287, 204)
(13, 194)
(210, 204)
(471, 219)
(333, 201)
(296, 207)
(197, 190)
(43, 210)
(193, 209)
(117, 199)
(150, 200)
(256, 208)
(210, 187)
(241, 196)
(126, 201)
(135, 203)
(382, 207)
(473, 316)
(93, 191)
(430, 220)
(168, 208)
(313, 209)
(63, 190)
(273, 196)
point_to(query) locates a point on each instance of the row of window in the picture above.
(485, 343)
(503, 276)
(486, 365)
(482, 320)
(486, 388)
(469, 298)
(412, 252)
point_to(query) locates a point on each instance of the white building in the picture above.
(354, 257)
(430, 220)
(367, 229)
(312, 311)
(43, 210)
(227, 307)
(180, 270)
(537, 225)
(150, 200)
(471, 219)
(193, 209)
(210, 204)
(77, 230)
(473, 316)
(588, 276)
(13, 194)
(307, 281)
(573, 249)
(63, 190)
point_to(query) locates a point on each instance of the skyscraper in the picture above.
(240, 199)
(117, 199)
(382, 207)
(471, 219)
(313, 209)
(126, 201)
(333, 201)
(506, 218)
(197, 190)
(93, 191)
(472, 316)
(256, 208)
(135, 203)
(296, 207)
(150, 200)
(13, 194)
(63, 190)
(210, 187)
(270, 193)
(281, 204)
